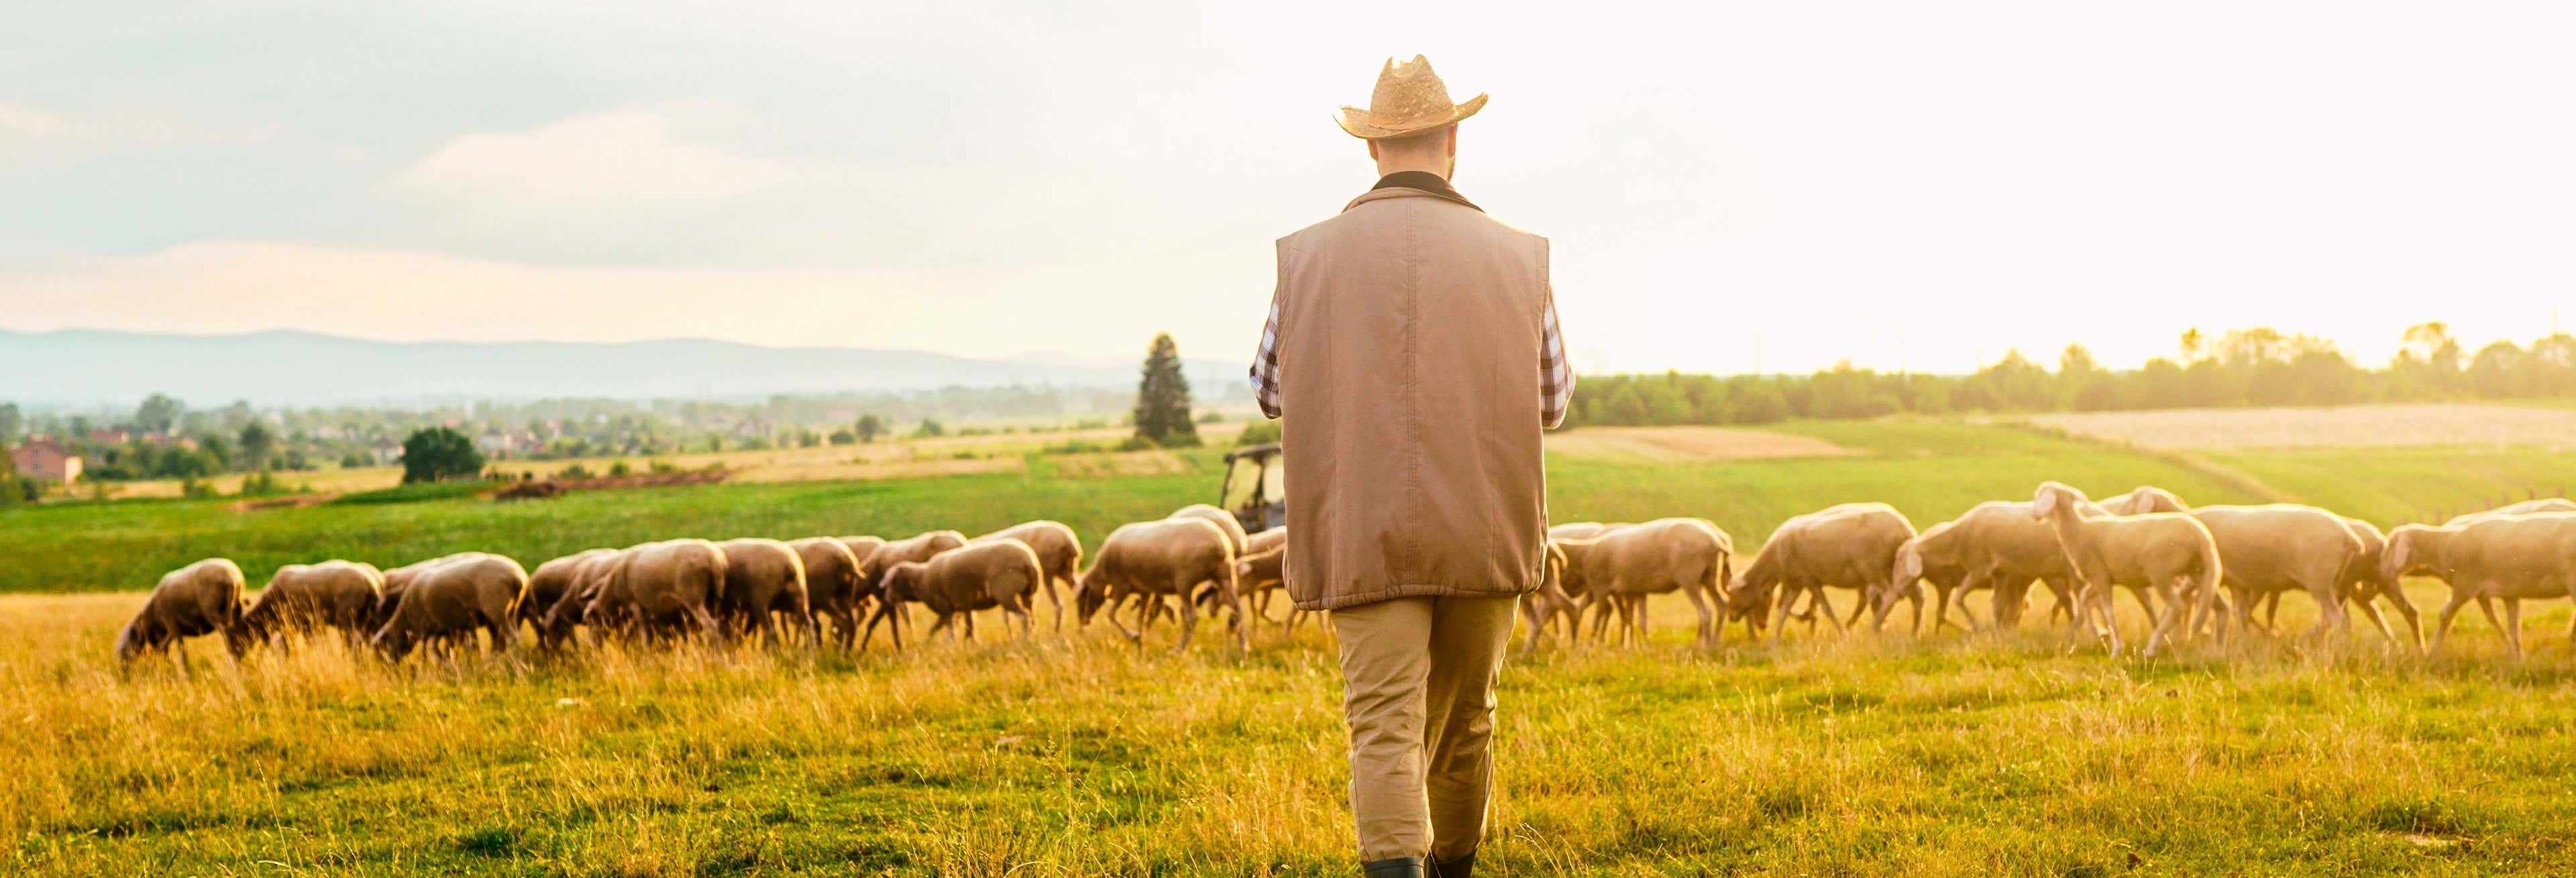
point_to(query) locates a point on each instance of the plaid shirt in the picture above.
(1555, 378)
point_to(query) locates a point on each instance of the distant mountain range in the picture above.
(285, 367)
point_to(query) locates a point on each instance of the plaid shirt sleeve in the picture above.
(1555, 377)
(1265, 363)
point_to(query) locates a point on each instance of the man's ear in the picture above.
(1372, 150)
(1453, 140)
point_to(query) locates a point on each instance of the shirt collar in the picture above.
(1424, 181)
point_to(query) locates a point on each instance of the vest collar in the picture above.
(1412, 184)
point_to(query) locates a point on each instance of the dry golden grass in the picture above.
(1083, 756)
(1676, 444)
(2359, 426)
(1108, 465)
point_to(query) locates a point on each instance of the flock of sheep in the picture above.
(2191, 570)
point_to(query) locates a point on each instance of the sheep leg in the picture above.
(2176, 612)
(2406, 610)
(2513, 626)
(2271, 612)
(2330, 615)
(1780, 611)
(2450, 610)
(1189, 617)
(2371, 609)
(1826, 607)
(1700, 604)
(2488, 607)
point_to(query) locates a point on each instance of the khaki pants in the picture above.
(1419, 695)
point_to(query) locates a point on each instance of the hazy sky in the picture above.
(1915, 184)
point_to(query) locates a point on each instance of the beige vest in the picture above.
(1409, 335)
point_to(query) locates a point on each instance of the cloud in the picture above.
(616, 158)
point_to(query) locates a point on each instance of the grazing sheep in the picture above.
(552, 580)
(977, 576)
(1059, 551)
(303, 598)
(2486, 604)
(1851, 545)
(454, 597)
(2156, 552)
(2002, 548)
(2504, 556)
(1689, 555)
(2142, 500)
(581, 587)
(763, 578)
(1550, 602)
(1224, 521)
(2278, 547)
(201, 598)
(1154, 559)
(1938, 556)
(660, 586)
(832, 584)
(918, 547)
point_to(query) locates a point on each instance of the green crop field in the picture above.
(1080, 755)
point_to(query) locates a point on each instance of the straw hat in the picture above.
(1410, 99)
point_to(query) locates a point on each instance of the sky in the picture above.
(1728, 187)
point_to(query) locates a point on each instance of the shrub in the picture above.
(1258, 433)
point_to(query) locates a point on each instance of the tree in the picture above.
(869, 428)
(10, 422)
(158, 414)
(258, 442)
(437, 454)
(1163, 398)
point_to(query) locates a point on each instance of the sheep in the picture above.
(2278, 547)
(763, 578)
(447, 601)
(2154, 552)
(1689, 555)
(2486, 604)
(2508, 556)
(301, 598)
(1850, 545)
(658, 585)
(833, 575)
(1059, 550)
(552, 580)
(1157, 558)
(201, 598)
(1000, 573)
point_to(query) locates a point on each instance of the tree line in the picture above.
(2247, 367)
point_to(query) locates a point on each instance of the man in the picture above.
(1413, 342)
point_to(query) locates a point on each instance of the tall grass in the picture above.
(1085, 756)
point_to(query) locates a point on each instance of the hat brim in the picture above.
(1359, 123)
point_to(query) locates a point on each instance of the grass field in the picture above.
(1080, 756)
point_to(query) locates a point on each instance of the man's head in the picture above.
(1409, 123)
(1435, 151)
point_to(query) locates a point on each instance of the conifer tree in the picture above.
(1163, 398)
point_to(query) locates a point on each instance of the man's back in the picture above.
(1413, 327)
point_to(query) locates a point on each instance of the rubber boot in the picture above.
(1462, 867)
(1399, 867)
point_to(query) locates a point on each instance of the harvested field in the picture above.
(2360, 426)
(1677, 444)
(1121, 464)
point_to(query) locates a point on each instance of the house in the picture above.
(43, 459)
(109, 437)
